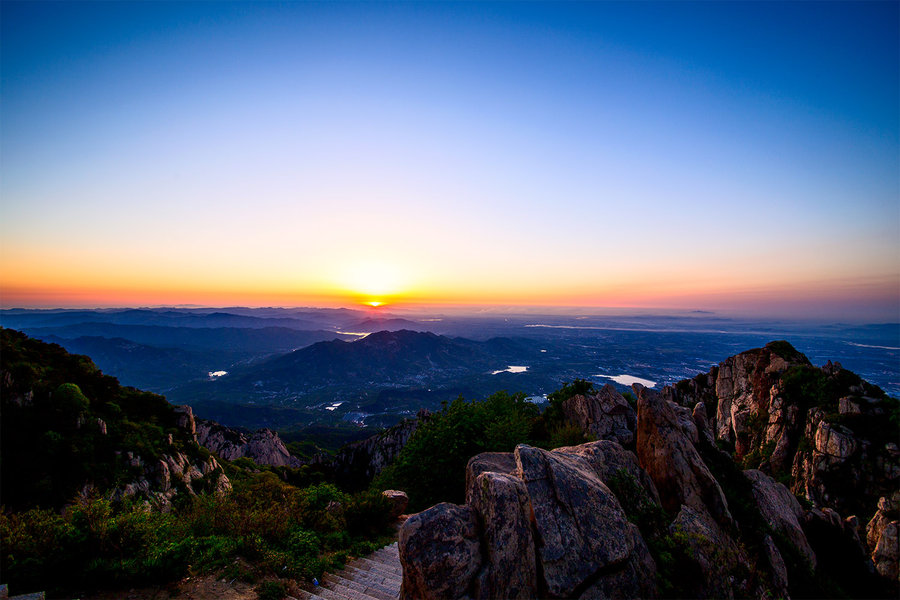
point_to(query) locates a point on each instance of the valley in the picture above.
(291, 369)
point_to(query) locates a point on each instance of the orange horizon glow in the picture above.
(871, 297)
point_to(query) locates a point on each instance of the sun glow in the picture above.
(374, 283)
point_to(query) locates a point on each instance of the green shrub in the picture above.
(567, 434)
(553, 414)
(271, 590)
(431, 467)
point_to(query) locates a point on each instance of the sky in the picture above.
(730, 156)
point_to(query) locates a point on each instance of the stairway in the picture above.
(375, 577)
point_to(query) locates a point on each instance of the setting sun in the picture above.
(374, 283)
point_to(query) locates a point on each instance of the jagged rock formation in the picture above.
(361, 461)
(597, 520)
(551, 529)
(263, 446)
(672, 462)
(163, 478)
(883, 537)
(604, 415)
(824, 431)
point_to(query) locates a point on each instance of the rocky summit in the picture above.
(765, 477)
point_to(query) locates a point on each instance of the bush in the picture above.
(271, 590)
(432, 466)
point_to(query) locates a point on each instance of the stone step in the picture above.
(324, 592)
(369, 565)
(389, 566)
(390, 585)
(374, 577)
(388, 580)
(358, 586)
(349, 593)
(304, 595)
(387, 554)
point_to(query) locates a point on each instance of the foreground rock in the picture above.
(440, 552)
(707, 505)
(672, 461)
(551, 529)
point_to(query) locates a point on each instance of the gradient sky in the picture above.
(723, 156)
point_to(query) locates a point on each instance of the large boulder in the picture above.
(502, 504)
(605, 415)
(716, 555)
(584, 532)
(883, 537)
(672, 461)
(781, 510)
(440, 551)
(550, 528)
(496, 462)
(610, 460)
(398, 501)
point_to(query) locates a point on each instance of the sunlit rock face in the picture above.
(728, 455)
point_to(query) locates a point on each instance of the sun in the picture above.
(373, 283)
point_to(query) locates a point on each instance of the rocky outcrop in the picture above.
(713, 551)
(358, 463)
(161, 480)
(551, 529)
(672, 461)
(563, 523)
(263, 446)
(604, 415)
(883, 537)
(743, 404)
(781, 510)
(609, 460)
(823, 431)
(441, 553)
(398, 501)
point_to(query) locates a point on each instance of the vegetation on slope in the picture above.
(431, 468)
(67, 528)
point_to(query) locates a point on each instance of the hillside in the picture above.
(765, 476)
(108, 487)
(385, 357)
(396, 372)
(66, 425)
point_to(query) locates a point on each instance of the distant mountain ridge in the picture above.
(384, 357)
(264, 339)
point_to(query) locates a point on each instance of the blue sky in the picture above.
(692, 155)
